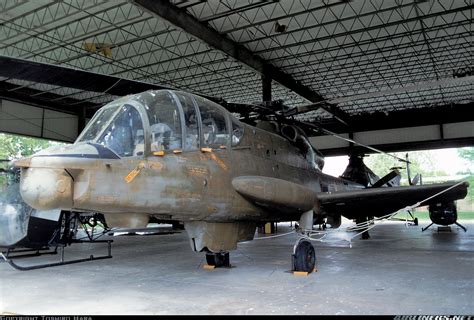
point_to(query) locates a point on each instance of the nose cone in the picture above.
(45, 189)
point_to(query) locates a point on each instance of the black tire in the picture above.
(218, 259)
(211, 259)
(415, 221)
(304, 257)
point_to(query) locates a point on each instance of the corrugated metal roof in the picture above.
(335, 48)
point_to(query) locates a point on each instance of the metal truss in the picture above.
(333, 48)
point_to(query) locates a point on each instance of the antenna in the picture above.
(416, 178)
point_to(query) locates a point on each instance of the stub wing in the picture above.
(284, 196)
(276, 194)
(382, 201)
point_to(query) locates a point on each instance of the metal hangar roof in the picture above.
(378, 64)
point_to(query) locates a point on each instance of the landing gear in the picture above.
(218, 260)
(304, 257)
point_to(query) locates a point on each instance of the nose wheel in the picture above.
(304, 256)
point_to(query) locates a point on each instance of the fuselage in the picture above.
(171, 155)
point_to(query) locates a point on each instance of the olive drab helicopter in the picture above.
(177, 157)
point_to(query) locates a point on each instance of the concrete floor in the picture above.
(400, 270)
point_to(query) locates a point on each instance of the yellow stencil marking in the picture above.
(107, 199)
(156, 166)
(129, 178)
(197, 171)
(219, 162)
(206, 149)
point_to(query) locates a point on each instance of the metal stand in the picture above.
(426, 228)
(9, 258)
(413, 219)
(28, 253)
(457, 223)
(461, 226)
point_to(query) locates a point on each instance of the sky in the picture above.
(449, 162)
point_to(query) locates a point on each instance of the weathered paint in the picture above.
(191, 186)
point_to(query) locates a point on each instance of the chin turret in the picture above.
(45, 188)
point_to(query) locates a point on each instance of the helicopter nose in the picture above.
(45, 188)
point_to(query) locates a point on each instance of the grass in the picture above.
(462, 215)
(424, 215)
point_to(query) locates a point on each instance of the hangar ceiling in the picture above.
(386, 64)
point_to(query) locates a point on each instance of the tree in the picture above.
(422, 162)
(14, 147)
(468, 155)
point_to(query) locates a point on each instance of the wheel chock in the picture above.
(300, 273)
(208, 267)
(303, 273)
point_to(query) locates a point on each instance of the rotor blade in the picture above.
(338, 114)
(302, 109)
(354, 142)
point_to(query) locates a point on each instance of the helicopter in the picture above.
(174, 156)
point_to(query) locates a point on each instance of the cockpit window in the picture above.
(124, 135)
(190, 120)
(214, 126)
(164, 118)
(237, 132)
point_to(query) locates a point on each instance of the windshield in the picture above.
(123, 134)
(98, 123)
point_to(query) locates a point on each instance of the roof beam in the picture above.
(192, 26)
(42, 99)
(28, 70)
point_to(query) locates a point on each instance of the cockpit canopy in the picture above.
(161, 120)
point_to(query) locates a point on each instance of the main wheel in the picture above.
(304, 258)
(415, 222)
